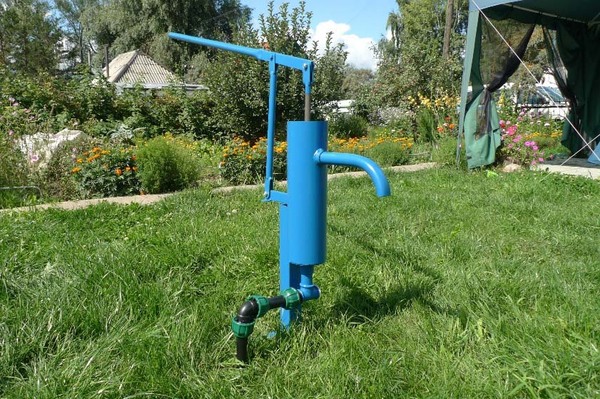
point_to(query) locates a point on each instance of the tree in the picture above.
(28, 36)
(448, 29)
(126, 25)
(413, 62)
(240, 84)
(70, 13)
(355, 79)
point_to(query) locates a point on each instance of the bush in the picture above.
(389, 153)
(167, 165)
(518, 148)
(244, 163)
(13, 166)
(13, 172)
(426, 126)
(386, 150)
(106, 172)
(172, 110)
(444, 152)
(58, 180)
(347, 126)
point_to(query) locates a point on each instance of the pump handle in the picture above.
(274, 59)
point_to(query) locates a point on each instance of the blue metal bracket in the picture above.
(274, 59)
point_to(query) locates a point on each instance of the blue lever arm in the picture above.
(301, 64)
(274, 60)
(382, 187)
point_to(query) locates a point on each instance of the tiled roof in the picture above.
(135, 67)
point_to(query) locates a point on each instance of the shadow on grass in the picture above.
(357, 306)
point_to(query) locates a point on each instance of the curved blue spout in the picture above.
(382, 187)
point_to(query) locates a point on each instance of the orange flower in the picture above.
(76, 169)
(127, 169)
(118, 172)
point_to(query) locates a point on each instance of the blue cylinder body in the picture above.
(307, 193)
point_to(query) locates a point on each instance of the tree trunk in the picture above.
(448, 29)
(107, 61)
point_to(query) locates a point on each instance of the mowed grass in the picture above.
(460, 285)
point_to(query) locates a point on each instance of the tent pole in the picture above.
(468, 65)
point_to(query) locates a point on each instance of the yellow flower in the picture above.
(76, 170)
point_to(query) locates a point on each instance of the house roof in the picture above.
(134, 67)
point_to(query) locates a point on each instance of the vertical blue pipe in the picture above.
(303, 219)
(288, 273)
(271, 126)
(307, 192)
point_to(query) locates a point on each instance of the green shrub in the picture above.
(389, 153)
(347, 126)
(57, 179)
(244, 163)
(426, 125)
(13, 166)
(98, 128)
(167, 165)
(106, 172)
(13, 172)
(403, 126)
(15, 119)
(444, 152)
(173, 110)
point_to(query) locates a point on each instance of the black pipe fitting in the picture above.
(277, 302)
(255, 307)
(248, 311)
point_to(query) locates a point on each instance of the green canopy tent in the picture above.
(572, 36)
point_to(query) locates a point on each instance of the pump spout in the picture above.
(382, 187)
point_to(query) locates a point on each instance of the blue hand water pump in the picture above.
(303, 208)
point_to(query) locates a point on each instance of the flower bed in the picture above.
(530, 141)
(243, 162)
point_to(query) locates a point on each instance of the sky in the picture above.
(359, 24)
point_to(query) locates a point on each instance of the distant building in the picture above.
(134, 68)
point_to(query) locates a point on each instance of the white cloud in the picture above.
(360, 53)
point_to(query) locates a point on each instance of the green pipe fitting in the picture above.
(241, 330)
(292, 298)
(263, 304)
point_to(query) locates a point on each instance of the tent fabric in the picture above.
(576, 49)
(492, 65)
(587, 11)
(577, 38)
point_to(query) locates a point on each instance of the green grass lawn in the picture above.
(460, 285)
